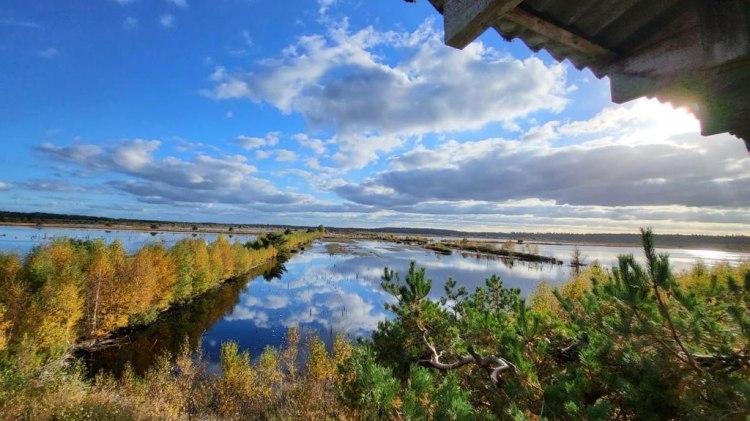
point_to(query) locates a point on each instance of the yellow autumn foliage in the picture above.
(67, 290)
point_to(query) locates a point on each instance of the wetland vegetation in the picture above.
(639, 340)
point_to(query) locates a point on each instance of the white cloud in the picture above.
(204, 179)
(324, 5)
(313, 163)
(316, 145)
(660, 168)
(125, 2)
(307, 175)
(638, 121)
(4, 186)
(261, 154)
(218, 74)
(338, 81)
(184, 145)
(49, 53)
(178, 3)
(167, 20)
(285, 155)
(357, 151)
(136, 155)
(251, 142)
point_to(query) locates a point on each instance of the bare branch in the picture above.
(493, 365)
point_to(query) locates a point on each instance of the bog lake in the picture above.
(325, 290)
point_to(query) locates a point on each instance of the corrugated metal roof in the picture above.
(627, 27)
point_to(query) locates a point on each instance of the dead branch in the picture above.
(492, 364)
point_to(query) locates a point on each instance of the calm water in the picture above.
(680, 259)
(324, 293)
(22, 239)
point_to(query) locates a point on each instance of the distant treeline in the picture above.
(57, 218)
(33, 217)
(727, 242)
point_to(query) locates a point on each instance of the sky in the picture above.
(346, 113)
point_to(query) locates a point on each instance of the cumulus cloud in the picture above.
(4, 186)
(313, 163)
(324, 5)
(642, 160)
(204, 179)
(262, 154)
(285, 155)
(338, 81)
(315, 145)
(280, 155)
(251, 142)
(356, 151)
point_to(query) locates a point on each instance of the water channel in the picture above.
(326, 290)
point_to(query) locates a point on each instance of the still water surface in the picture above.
(324, 293)
(22, 239)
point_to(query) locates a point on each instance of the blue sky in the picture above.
(345, 113)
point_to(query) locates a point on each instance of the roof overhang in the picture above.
(693, 54)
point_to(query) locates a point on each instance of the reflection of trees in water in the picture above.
(275, 272)
(508, 262)
(173, 327)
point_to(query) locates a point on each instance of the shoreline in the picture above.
(115, 338)
(356, 236)
(92, 344)
(406, 238)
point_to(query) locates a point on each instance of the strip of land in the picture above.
(738, 242)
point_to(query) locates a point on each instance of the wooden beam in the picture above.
(465, 20)
(745, 136)
(557, 34)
